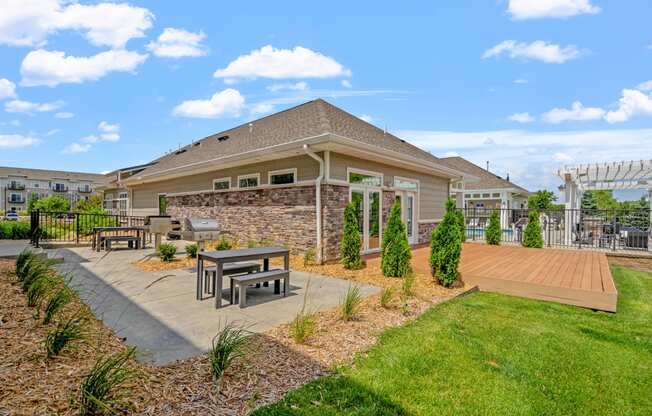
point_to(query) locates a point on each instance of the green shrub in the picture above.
(350, 305)
(51, 204)
(166, 251)
(227, 345)
(93, 204)
(395, 252)
(494, 231)
(38, 289)
(446, 247)
(532, 235)
(224, 243)
(14, 230)
(56, 303)
(191, 250)
(351, 242)
(252, 244)
(100, 390)
(93, 217)
(386, 296)
(33, 270)
(462, 222)
(310, 257)
(66, 332)
(408, 282)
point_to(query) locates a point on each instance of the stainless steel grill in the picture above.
(201, 229)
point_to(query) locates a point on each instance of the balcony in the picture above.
(60, 189)
(84, 190)
(13, 186)
(14, 200)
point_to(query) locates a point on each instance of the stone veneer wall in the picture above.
(425, 231)
(334, 199)
(284, 215)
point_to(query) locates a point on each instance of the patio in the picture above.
(573, 277)
(158, 313)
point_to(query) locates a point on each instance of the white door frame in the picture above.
(365, 190)
(404, 194)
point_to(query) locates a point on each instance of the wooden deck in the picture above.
(574, 277)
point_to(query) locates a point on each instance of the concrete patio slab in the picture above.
(157, 311)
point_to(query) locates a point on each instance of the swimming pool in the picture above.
(479, 233)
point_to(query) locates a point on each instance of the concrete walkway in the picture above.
(11, 248)
(158, 313)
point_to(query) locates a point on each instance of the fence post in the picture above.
(613, 233)
(580, 230)
(76, 219)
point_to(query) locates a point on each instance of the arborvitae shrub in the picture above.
(395, 250)
(446, 247)
(351, 241)
(462, 223)
(532, 235)
(493, 230)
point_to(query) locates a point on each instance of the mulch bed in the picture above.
(637, 263)
(31, 384)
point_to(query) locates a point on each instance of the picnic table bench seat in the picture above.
(131, 240)
(227, 270)
(244, 280)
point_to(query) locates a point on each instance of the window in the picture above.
(248, 181)
(495, 195)
(485, 195)
(476, 195)
(405, 184)
(467, 195)
(221, 184)
(282, 177)
(162, 204)
(59, 187)
(368, 179)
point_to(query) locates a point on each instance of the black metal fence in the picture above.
(74, 227)
(616, 229)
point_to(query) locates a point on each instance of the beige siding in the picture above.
(145, 197)
(433, 189)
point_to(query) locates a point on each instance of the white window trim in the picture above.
(271, 173)
(250, 175)
(350, 170)
(406, 179)
(227, 179)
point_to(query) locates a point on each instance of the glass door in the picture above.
(408, 213)
(367, 202)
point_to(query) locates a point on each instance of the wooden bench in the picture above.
(130, 239)
(227, 270)
(242, 281)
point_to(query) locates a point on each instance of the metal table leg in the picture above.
(200, 273)
(217, 284)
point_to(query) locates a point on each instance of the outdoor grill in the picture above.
(201, 230)
(159, 225)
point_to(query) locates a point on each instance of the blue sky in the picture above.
(527, 84)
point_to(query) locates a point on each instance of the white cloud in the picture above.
(630, 104)
(52, 132)
(262, 108)
(269, 62)
(366, 117)
(537, 9)
(52, 68)
(21, 106)
(64, 115)
(75, 148)
(577, 112)
(226, 103)
(521, 118)
(30, 22)
(539, 50)
(520, 81)
(11, 141)
(528, 156)
(110, 137)
(178, 43)
(645, 86)
(346, 83)
(107, 127)
(299, 86)
(7, 89)
(562, 157)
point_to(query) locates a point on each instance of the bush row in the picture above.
(14, 230)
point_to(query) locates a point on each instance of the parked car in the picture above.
(11, 216)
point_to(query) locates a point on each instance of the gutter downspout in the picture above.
(318, 181)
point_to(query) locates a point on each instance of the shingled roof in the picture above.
(486, 179)
(310, 119)
(44, 174)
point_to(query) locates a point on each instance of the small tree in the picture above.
(93, 205)
(446, 247)
(462, 222)
(493, 230)
(351, 241)
(532, 235)
(395, 250)
(541, 199)
(52, 204)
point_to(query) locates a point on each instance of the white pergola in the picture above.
(635, 174)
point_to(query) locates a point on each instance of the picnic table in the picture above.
(140, 231)
(222, 257)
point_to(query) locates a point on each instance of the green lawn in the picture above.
(495, 354)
